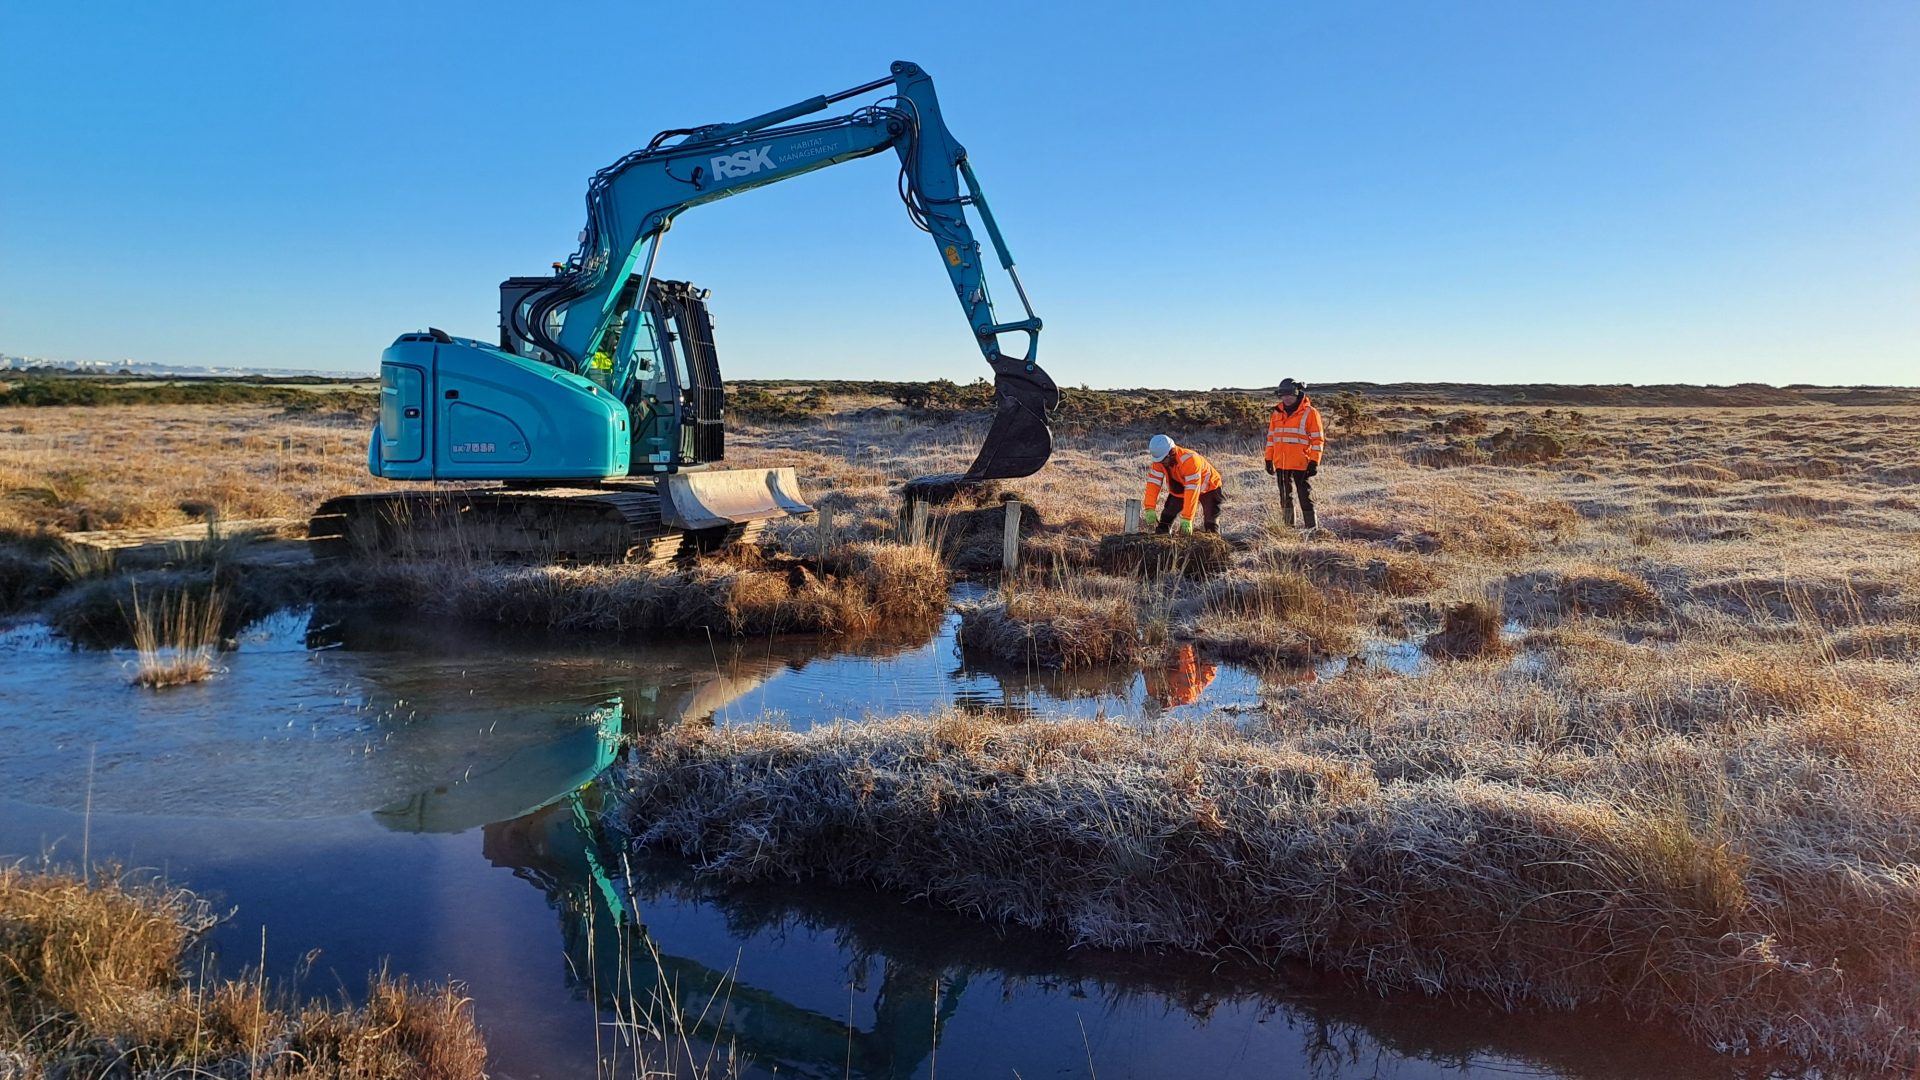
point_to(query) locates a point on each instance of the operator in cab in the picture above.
(1192, 485)
(1295, 443)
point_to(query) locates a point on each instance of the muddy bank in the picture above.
(853, 590)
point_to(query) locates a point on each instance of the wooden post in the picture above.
(917, 536)
(1132, 517)
(1010, 539)
(825, 521)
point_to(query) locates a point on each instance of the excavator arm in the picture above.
(574, 318)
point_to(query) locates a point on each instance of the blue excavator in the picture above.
(589, 431)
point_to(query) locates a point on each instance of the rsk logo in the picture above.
(744, 163)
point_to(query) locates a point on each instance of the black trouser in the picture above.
(1292, 480)
(1209, 512)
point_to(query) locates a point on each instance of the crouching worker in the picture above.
(1188, 478)
(1295, 442)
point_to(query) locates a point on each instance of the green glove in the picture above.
(1149, 518)
(1185, 526)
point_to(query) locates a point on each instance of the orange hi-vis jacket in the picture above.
(1295, 438)
(1192, 474)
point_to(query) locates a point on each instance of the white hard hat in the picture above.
(1159, 447)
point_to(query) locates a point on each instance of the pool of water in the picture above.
(414, 796)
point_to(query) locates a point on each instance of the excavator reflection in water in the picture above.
(610, 958)
(538, 809)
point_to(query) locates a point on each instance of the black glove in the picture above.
(1313, 468)
(1269, 466)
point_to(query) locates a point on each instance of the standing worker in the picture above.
(1295, 442)
(1188, 477)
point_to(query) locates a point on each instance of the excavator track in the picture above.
(612, 524)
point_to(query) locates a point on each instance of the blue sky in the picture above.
(1199, 194)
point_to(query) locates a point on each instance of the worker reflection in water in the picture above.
(1295, 442)
(1188, 478)
(1182, 679)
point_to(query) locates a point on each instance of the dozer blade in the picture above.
(1018, 444)
(706, 500)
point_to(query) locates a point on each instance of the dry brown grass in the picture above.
(856, 589)
(1272, 616)
(78, 469)
(97, 979)
(1680, 878)
(1358, 568)
(1573, 591)
(1900, 644)
(1691, 792)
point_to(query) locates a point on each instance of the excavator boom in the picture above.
(577, 318)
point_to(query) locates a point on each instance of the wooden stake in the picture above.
(825, 521)
(1010, 539)
(1132, 517)
(918, 536)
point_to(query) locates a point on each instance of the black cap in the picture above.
(1288, 386)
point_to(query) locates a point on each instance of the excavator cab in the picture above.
(658, 358)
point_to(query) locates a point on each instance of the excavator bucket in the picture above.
(1018, 444)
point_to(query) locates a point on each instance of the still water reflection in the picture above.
(422, 799)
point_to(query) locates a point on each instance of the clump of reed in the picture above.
(73, 562)
(1594, 591)
(1469, 628)
(1359, 568)
(1085, 621)
(1900, 643)
(1671, 879)
(98, 978)
(175, 635)
(1154, 555)
(1273, 616)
